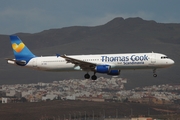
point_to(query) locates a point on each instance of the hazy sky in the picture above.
(31, 16)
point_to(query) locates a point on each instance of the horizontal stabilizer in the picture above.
(18, 62)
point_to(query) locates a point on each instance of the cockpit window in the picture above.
(164, 57)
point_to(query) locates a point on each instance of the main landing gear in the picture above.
(87, 76)
(154, 73)
(94, 77)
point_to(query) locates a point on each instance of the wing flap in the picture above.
(83, 64)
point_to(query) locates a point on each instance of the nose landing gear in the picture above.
(154, 73)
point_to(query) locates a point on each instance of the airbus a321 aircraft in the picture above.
(110, 64)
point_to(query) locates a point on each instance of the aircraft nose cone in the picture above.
(171, 62)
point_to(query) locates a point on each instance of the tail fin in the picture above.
(21, 52)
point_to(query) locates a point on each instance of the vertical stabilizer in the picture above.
(21, 52)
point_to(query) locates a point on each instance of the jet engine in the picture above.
(114, 72)
(102, 68)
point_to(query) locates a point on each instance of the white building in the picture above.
(73, 97)
(50, 97)
(6, 100)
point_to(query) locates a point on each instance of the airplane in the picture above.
(110, 64)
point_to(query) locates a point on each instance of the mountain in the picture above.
(116, 36)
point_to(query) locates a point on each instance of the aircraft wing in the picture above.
(83, 64)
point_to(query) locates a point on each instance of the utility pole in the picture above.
(148, 112)
(116, 113)
(85, 115)
(74, 116)
(131, 112)
(104, 114)
(69, 116)
(79, 115)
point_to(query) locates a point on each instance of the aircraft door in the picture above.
(34, 62)
(153, 58)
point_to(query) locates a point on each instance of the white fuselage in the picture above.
(110, 64)
(116, 61)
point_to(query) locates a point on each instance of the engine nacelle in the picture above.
(114, 72)
(21, 62)
(17, 62)
(102, 68)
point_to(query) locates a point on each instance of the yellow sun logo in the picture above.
(18, 48)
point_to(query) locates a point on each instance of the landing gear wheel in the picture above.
(94, 77)
(87, 76)
(154, 75)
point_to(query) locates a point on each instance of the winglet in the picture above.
(58, 55)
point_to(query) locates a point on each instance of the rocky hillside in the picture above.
(117, 36)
